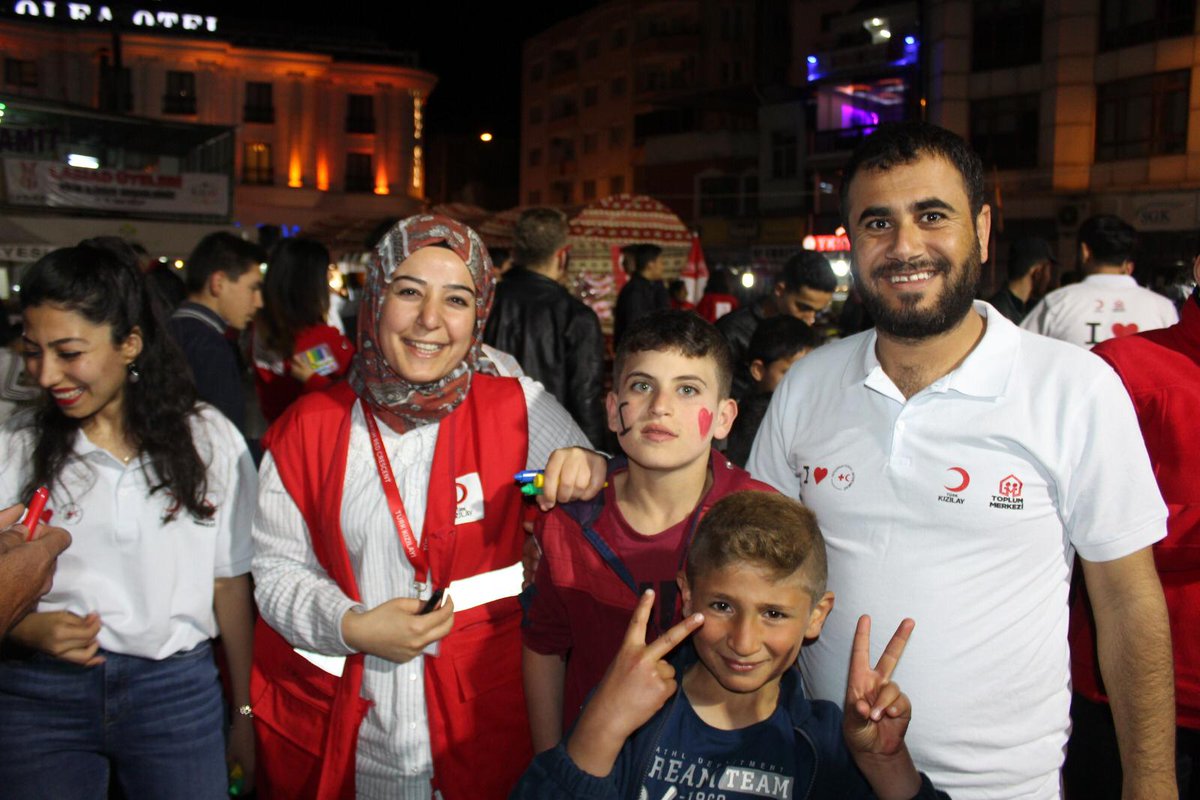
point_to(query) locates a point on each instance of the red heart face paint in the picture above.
(705, 418)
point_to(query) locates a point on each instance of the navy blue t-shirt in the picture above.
(695, 761)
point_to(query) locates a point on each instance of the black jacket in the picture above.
(738, 328)
(638, 298)
(557, 340)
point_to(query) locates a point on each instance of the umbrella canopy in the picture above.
(625, 219)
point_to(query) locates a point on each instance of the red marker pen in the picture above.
(33, 515)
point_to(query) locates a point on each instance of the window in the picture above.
(257, 167)
(591, 94)
(616, 137)
(591, 48)
(617, 87)
(535, 115)
(260, 107)
(590, 142)
(535, 157)
(562, 150)
(1004, 130)
(589, 190)
(20, 72)
(993, 43)
(731, 24)
(1127, 22)
(117, 97)
(784, 145)
(719, 196)
(620, 37)
(537, 71)
(181, 93)
(1144, 116)
(750, 195)
(533, 197)
(561, 193)
(360, 113)
(358, 172)
(562, 107)
(616, 184)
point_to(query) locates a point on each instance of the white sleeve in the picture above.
(770, 456)
(1036, 319)
(550, 426)
(294, 593)
(16, 459)
(233, 482)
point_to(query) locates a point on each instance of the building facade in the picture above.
(325, 132)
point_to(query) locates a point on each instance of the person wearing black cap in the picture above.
(1030, 268)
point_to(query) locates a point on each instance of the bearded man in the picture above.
(957, 464)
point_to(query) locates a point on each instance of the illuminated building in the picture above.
(327, 133)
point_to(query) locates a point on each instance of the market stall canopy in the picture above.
(622, 219)
(497, 230)
(465, 213)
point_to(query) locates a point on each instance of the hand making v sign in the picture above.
(636, 685)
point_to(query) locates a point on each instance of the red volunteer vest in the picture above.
(307, 720)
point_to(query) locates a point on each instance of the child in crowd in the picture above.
(670, 399)
(777, 343)
(736, 724)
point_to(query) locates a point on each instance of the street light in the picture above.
(485, 137)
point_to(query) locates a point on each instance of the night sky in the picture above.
(474, 48)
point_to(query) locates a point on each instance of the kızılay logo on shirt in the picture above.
(959, 484)
(469, 499)
(1009, 497)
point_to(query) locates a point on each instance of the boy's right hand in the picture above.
(636, 685)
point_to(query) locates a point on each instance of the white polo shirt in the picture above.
(1099, 308)
(150, 582)
(962, 508)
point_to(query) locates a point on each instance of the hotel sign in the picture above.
(139, 18)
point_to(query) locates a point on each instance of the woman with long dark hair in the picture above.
(295, 350)
(116, 678)
(377, 493)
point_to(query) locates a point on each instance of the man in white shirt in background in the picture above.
(1107, 303)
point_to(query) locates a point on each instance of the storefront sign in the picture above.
(28, 140)
(56, 185)
(24, 253)
(1164, 212)
(827, 243)
(140, 18)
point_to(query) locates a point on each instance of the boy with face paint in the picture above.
(670, 400)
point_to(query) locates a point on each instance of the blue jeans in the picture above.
(156, 724)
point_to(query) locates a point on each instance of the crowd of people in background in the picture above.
(484, 548)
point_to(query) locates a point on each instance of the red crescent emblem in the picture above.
(461, 491)
(966, 479)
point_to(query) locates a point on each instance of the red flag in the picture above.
(695, 271)
(618, 271)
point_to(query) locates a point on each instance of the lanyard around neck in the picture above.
(418, 554)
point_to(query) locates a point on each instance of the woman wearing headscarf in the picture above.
(375, 494)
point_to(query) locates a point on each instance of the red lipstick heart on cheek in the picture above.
(705, 421)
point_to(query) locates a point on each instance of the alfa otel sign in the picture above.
(141, 18)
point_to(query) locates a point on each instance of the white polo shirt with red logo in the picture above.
(962, 508)
(1099, 308)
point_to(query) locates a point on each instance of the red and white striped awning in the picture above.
(626, 219)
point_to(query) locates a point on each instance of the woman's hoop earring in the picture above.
(135, 374)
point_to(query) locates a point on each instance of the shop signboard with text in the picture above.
(48, 184)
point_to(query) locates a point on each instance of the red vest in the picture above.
(306, 719)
